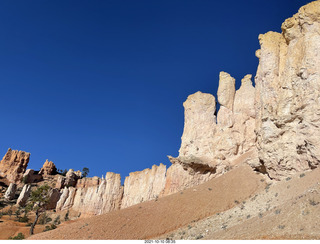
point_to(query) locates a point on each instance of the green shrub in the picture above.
(19, 236)
(50, 227)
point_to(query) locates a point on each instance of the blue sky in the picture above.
(100, 84)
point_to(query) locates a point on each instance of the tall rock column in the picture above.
(199, 129)
(287, 97)
(226, 93)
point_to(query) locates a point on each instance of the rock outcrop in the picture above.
(287, 97)
(98, 196)
(54, 196)
(11, 191)
(30, 177)
(24, 195)
(144, 185)
(48, 168)
(13, 165)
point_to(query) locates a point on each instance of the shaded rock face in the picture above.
(48, 168)
(179, 178)
(11, 191)
(24, 195)
(287, 96)
(14, 164)
(54, 196)
(144, 185)
(30, 176)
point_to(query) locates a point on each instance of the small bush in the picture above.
(288, 178)
(278, 211)
(199, 237)
(302, 175)
(50, 227)
(44, 219)
(66, 217)
(313, 202)
(23, 219)
(19, 236)
(281, 227)
(210, 189)
(57, 220)
(248, 217)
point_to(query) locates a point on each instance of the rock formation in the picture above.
(48, 168)
(144, 185)
(13, 165)
(54, 196)
(287, 97)
(274, 127)
(98, 196)
(30, 177)
(11, 191)
(24, 195)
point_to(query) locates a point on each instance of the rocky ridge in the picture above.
(272, 126)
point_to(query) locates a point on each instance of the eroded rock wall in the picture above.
(144, 185)
(287, 97)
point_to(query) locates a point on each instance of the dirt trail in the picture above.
(155, 218)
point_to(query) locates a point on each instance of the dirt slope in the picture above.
(289, 209)
(155, 218)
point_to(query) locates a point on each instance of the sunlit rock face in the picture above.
(13, 165)
(144, 185)
(97, 196)
(48, 168)
(287, 95)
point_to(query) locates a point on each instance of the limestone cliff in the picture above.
(273, 126)
(143, 185)
(287, 97)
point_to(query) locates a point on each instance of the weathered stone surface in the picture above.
(96, 196)
(226, 90)
(24, 195)
(72, 177)
(199, 127)
(179, 178)
(144, 185)
(11, 191)
(63, 198)
(54, 196)
(48, 168)
(14, 164)
(245, 98)
(287, 96)
(30, 176)
(60, 182)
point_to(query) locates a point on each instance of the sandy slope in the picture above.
(289, 209)
(155, 218)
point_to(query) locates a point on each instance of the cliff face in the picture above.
(143, 185)
(287, 97)
(13, 165)
(274, 127)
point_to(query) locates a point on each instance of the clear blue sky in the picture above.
(100, 84)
